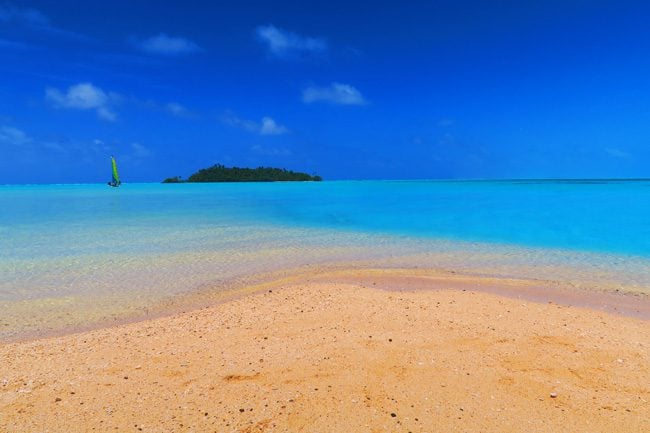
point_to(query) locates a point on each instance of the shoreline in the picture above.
(318, 353)
(627, 304)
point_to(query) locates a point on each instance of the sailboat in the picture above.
(115, 181)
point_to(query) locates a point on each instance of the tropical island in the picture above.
(221, 173)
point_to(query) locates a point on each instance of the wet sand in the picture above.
(343, 354)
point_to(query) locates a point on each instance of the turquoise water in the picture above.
(65, 248)
(603, 216)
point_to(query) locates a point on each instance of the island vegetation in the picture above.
(221, 173)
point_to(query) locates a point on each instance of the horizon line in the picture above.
(513, 179)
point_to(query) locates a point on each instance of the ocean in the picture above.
(73, 255)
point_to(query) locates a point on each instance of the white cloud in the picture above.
(271, 127)
(13, 136)
(84, 96)
(282, 43)
(167, 45)
(267, 126)
(335, 93)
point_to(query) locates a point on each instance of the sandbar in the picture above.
(365, 353)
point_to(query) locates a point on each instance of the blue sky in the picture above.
(397, 90)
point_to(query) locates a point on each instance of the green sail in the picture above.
(116, 176)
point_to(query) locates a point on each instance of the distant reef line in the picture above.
(221, 173)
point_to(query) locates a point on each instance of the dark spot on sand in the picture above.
(393, 414)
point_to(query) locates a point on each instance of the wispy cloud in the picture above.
(267, 126)
(84, 96)
(26, 16)
(232, 120)
(28, 145)
(54, 146)
(140, 151)
(172, 108)
(15, 45)
(285, 44)
(335, 93)
(33, 19)
(166, 45)
(25, 146)
(98, 147)
(271, 151)
(618, 153)
(25, 143)
(13, 136)
(176, 109)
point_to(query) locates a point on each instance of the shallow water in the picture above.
(72, 254)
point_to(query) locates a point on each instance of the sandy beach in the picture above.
(363, 352)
